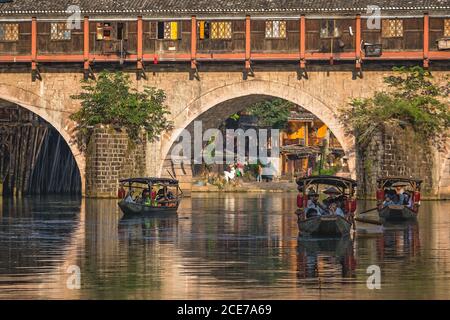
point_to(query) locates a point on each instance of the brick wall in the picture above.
(394, 152)
(110, 157)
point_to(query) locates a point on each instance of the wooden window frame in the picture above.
(230, 23)
(396, 36)
(334, 28)
(65, 30)
(272, 37)
(446, 31)
(18, 33)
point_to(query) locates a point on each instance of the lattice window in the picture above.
(392, 28)
(170, 31)
(221, 30)
(9, 32)
(276, 29)
(329, 29)
(447, 28)
(59, 31)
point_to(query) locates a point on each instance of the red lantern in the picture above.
(155, 59)
(121, 193)
(417, 197)
(350, 206)
(353, 205)
(300, 201)
(380, 195)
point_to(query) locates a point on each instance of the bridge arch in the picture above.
(244, 93)
(58, 119)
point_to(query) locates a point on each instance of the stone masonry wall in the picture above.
(394, 152)
(109, 158)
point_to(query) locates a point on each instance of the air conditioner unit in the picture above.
(373, 50)
(443, 43)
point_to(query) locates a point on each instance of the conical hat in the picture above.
(331, 190)
(399, 184)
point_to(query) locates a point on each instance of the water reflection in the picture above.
(232, 246)
(326, 258)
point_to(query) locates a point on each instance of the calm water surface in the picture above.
(220, 247)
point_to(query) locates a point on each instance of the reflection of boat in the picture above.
(333, 247)
(147, 201)
(325, 226)
(408, 208)
(137, 227)
(319, 257)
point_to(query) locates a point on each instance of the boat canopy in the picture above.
(339, 182)
(148, 181)
(387, 182)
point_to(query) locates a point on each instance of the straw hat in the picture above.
(331, 190)
(399, 184)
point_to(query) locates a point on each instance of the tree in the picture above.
(110, 100)
(272, 113)
(414, 100)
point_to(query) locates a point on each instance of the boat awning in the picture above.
(166, 181)
(327, 180)
(389, 181)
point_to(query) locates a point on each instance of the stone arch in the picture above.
(261, 88)
(57, 118)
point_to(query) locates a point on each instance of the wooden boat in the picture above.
(406, 211)
(326, 225)
(143, 199)
(397, 213)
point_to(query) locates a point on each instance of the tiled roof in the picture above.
(185, 7)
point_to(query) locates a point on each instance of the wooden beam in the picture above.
(140, 43)
(248, 42)
(426, 40)
(33, 43)
(86, 43)
(302, 42)
(358, 42)
(193, 42)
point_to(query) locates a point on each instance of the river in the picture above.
(230, 246)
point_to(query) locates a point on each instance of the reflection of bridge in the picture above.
(272, 65)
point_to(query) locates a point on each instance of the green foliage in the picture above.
(111, 101)
(414, 100)
(235, 117)
(272, 113)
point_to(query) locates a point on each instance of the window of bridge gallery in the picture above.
(276, 29)
(447, 28)
(392, 28)
(59, 31)
(165, 30)
(221, 30)
(329, 29)
(9, 32)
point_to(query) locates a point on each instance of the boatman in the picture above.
(400, 191)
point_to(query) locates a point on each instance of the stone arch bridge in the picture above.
(213, 98)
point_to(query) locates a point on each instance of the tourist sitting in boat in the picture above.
(400, 192)
(388, 201)
(334, 210)
(333, 197)
(129, 197)
(314, 208)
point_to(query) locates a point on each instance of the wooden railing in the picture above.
(302, 56)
